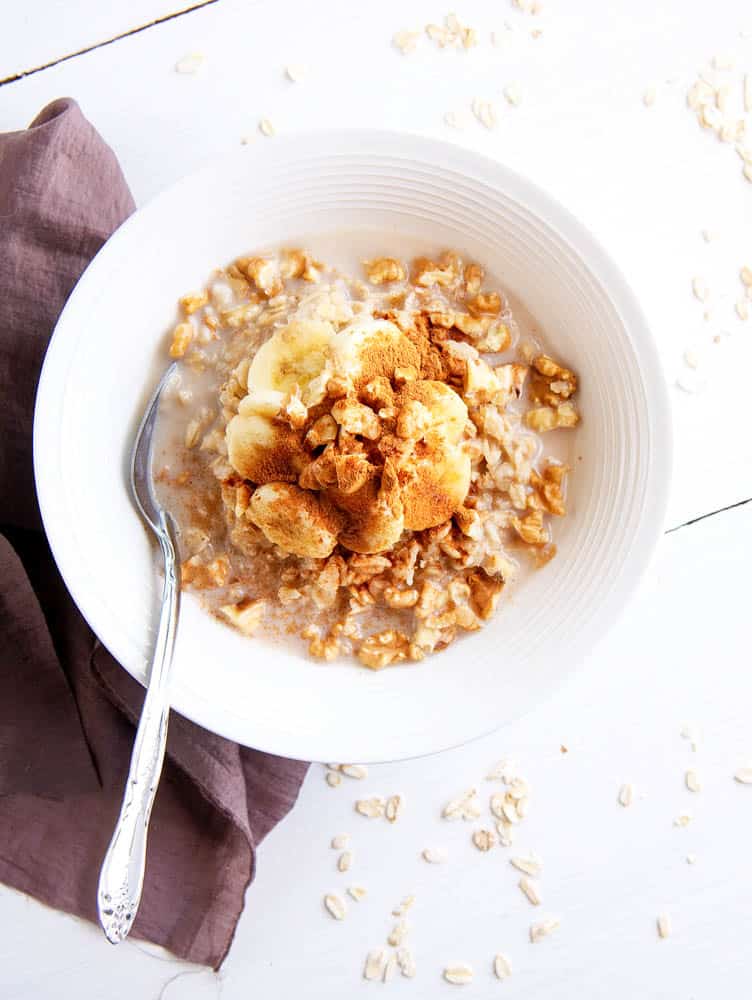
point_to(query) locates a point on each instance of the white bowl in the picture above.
(108, 349)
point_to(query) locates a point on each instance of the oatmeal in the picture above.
(359, 463)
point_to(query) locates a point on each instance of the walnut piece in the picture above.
(383, 649)
(548, 489)
(546, 418)
(484, 592)
(193, 302)
(245, 616)
(549, 382)
(182, 336)
(356, 418)
(381, 270)
(530, 528)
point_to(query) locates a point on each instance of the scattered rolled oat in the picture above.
(746, 275)
(505, 833)
(372, 808)
(530, 866)
(357, 892)
(354, 771)
(335, 905)
(747, 171)
(530, 890)
(374, 967)
(648, 97)
(344, 861)
(664, 925)
(389, 968)
(543, 929)
(266, 128)
(744, 776)
(406, 41)
(397, 934)
(485, 112)
(501, 966)
(484, 840)
(742, 309)
(465, 807)
(503, 770)
(333, 778)
(513, 95)
(626, 795)
(296, 72)
(340, 842)
(692, 781)
(435, 855)
(406, 962)
(700, 290)
(452, 33)
(458, 975)
(393, 808)
(190, 63)
(683, 819)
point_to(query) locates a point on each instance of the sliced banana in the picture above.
(294, 355)
(263, 451)
(447, 409)
(441, 483)
(376, 515)
(370, 347)
(263, 402)
(294, 519)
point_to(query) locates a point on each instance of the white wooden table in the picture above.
(646, 181)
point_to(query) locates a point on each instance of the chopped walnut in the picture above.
(549, 383)
(383, 649)
(427, 272)
(263, 272)
(381, 270)
(324, 590)
(299, 264)
(356, 418)
(245, 616)
(321, 431)
(484, 592)
(548, 489)
(193, 302)
(546, 418)
(530, 528)
(182, 336)
(497, 338)
(474, 275)
(326, 648)
(361, 568)
(484, 302)
(377, 393)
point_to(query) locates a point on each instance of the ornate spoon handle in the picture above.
(122, 876)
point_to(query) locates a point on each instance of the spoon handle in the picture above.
(121, 878)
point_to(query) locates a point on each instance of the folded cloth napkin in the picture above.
(67, 709)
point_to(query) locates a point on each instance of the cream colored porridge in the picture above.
(361, 463)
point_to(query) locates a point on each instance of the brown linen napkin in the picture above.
(66, 707)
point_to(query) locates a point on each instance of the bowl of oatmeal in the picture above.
(416, 443)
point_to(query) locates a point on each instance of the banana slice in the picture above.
(376, 515)
(263, 451)
(447, 409)
(263, 402)
(367, 348)
(441, 483)
(295, 355)
(294, 519)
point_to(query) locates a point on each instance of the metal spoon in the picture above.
(122, 876)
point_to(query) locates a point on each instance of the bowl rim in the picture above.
(598, 263)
